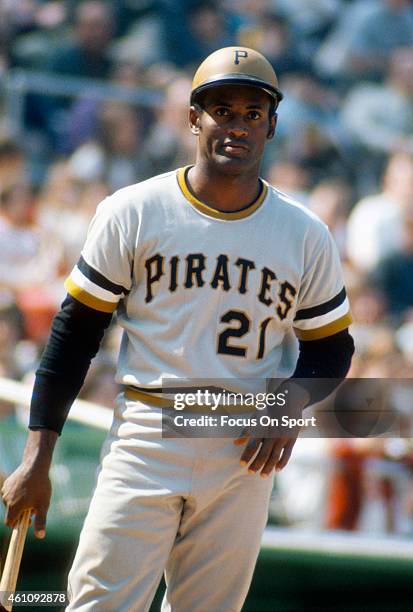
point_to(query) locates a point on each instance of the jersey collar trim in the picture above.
(212, 212)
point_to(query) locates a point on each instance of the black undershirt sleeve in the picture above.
(75, 337)
(328, 359)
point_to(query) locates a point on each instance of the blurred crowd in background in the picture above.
(113, 111)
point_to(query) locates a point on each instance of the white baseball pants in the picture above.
(181, 506)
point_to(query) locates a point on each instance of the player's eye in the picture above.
(222, 111)
(254, 114)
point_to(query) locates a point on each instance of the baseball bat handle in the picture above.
(14, 555)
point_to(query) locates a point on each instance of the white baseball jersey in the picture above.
(204, 293)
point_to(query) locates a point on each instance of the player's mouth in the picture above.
(235, 149)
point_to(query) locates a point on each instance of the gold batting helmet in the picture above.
(236, 66)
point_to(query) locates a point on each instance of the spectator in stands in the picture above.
(378, 118)
(320, 154)
(27, 255)
(12, 162)
(6, 35)
(66, 207)
(82, 120)
(362, 40)
(378, 35)
(129, 12)
(393, 276)
(372, 335)
(344, 498)
(87, 55)
(308, 129)
(368, 485)
(118, 157)
(30, 260)
(11, 332)
(34, 29)
(291, 178)
(311, 19)
(330, 200)
(193, 29)
(404, 342)
(271, 35)
(170, 144)
(374, 225)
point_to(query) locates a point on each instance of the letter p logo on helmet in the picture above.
(240, 53)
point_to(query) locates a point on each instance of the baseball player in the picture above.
(207, 268)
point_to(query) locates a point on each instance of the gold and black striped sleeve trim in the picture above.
(326, 330)
(98, 279)
(322, 309)
(89, 287)
(88, 299)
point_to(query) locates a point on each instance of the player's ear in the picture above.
(273, 124)
(194, 118)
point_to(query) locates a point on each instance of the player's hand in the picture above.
(269, 452)
(27, 488)
(268, 447)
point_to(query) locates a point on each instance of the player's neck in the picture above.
(223, 192)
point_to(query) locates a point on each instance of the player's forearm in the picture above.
(75, 337)
(39, 448)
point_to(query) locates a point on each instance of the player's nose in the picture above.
(238, 129)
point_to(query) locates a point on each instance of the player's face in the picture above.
(233, 127)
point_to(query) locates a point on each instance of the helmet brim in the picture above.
(237, 79)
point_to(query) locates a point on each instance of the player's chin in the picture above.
(233, 165)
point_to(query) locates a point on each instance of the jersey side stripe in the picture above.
(316, 311)
(325, 331)
(87, 299)
(98, 279)
(84, 283)
(322, 320)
